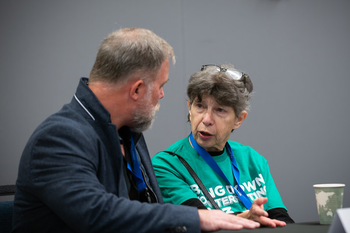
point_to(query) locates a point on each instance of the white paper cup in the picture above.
(329, 198)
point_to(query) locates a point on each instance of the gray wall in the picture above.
(296, 52)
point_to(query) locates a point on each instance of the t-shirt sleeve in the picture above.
(194, 202)
(280, 214)
(174, 186)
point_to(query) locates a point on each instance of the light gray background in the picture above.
(296, 52)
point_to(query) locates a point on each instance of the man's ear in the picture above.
(136, 89)
(239, 120)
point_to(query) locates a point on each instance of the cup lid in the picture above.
(329, 185)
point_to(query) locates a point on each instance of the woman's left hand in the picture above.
(258, 214)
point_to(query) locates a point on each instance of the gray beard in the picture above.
(142, 121)
(140, 124)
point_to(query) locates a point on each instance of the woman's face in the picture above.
(211, 123)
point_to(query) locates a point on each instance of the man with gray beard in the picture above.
(86, 168)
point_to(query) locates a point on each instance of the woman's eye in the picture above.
(222, 112)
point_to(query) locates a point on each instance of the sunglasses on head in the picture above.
(236, 75)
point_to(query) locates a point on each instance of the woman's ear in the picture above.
(189, 110)
(239, 120)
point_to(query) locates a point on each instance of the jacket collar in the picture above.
(89, 102)
(93, 107)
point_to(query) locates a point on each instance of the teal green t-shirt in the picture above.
(178, 186)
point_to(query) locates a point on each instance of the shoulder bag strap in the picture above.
(196, 178)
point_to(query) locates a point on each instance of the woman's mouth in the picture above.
(205, 135)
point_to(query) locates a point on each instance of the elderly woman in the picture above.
(206, 170)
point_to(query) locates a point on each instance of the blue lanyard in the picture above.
(211, 162)
(141, 185)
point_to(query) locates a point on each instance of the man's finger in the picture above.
(279, 223)
(267, 222)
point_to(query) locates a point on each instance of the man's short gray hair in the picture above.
(128, 51)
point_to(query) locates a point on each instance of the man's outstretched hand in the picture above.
(214, 220)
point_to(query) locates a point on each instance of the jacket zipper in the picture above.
(148, 185)
(149, 189)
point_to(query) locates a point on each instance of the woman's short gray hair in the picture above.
(225, 90)
(128, 51)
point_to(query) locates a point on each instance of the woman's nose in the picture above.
(207, 119)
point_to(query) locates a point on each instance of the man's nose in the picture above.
(161, 93)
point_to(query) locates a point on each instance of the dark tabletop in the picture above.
(293, 227)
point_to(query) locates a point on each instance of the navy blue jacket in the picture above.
(71, 178)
